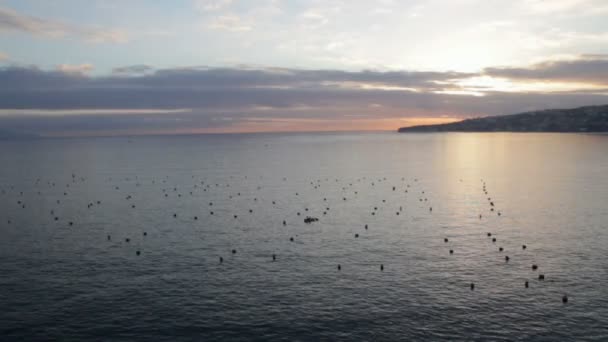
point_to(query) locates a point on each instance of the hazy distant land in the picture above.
(583, 119)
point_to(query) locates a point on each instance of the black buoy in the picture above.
(541, 277)
(127, 240)
(356, 235)
(274, 257)
(339, 267)
(234, 251)
(366, 227)
(507, 258)
(137, 253)
(221, 260)
(493, 239)
(284, 223)
(445, 240)
(523, 247)
(291, 239)
(565, 299)
(489, 234)
(109, 238)
(472, 286)
(145, 233)
(534, 267)
(526, 284)
(500, 249)
(381, 267)
(451, 251)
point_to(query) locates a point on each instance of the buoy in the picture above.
(451, 251)
(234, 251)
(541, 277)
(565, 299)
(274, 257)
(500, 249)
(472, 286)
(523, 247)
(526, 284)
(507, 258)
(445, 240)
(356, 235)
(534, 267)
(381, 267)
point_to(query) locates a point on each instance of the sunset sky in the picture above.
(73, 67)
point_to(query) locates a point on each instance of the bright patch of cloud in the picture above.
(231, 23)
(12, 21)
(211, 5)
(75, 68)
(68, 112)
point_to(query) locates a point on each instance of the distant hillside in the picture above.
(583, 119)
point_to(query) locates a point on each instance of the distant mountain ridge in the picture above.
(582, 119)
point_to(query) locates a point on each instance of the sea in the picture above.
(203, 237)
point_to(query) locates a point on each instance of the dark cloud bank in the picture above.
(225, 97)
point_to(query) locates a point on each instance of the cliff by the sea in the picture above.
(583, 119)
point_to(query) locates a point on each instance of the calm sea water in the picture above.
(62, 281)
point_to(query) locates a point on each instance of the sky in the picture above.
(114, 67)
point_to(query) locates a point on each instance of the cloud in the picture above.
(202, 99)
(132, 70)
(12, 21)
(568, 7)
(587, 68)
(211, 5)
(75, 68)
(231, 23)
